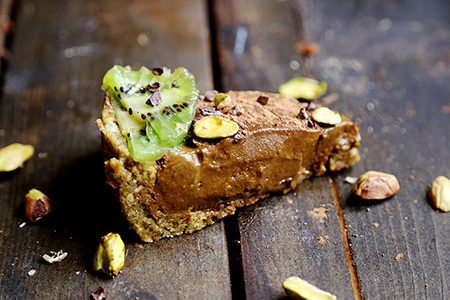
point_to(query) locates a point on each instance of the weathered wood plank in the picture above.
(6, 28)
(256, 44)
(280, 236)
(388, 63)
(287, 236)
(52, 96)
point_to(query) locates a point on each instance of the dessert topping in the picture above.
(262, 100)
(236, 111)
(212, 127)
(158, 71)
(303, 115)
(374, 185)
(153, 87)
(325, 115)
(209, 111)
(154, 99)
(222, 100)
(440, 193)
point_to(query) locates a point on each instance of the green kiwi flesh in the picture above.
(154, 108)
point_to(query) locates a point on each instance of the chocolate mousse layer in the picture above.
(278, 145)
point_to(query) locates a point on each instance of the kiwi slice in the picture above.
(155, 108)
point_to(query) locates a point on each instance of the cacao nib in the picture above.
(263, 100)
(157, 71)
(236, 111)
(154, 99)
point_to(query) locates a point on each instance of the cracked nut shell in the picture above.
(440, 193)
(37, 205)
(374, 185)
(110, 255)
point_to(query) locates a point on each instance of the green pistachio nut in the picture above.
(110, 255)
(303, 88)
(325, 115)
(212, 127)
(440, 193)
(222, 100)
(13, 156)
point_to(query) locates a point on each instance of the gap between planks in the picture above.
(348, 250)
(231, 223)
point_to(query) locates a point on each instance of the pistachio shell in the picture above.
(222, 100)
(325, 115)
(374, 185)
(37, 205)
(14, 155)
(440, 193)
(298, 288)
(212, 127)
(303, 88)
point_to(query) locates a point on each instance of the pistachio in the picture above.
(374, 185)
(222, 100)
(325, 115)
(110, 255)
(14, 155)
(303, 88)
(212, 127)
(440, 193)
(300, 289)
(37, 205)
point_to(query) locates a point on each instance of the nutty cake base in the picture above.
(274, 150)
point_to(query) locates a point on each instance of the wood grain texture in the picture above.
(51, 98)
(256, 44)
(387, 67)
(296, 234)
(280, 236)
(387, 62)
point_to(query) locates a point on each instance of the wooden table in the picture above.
(387, 65)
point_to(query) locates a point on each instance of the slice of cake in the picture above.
(171, 179)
